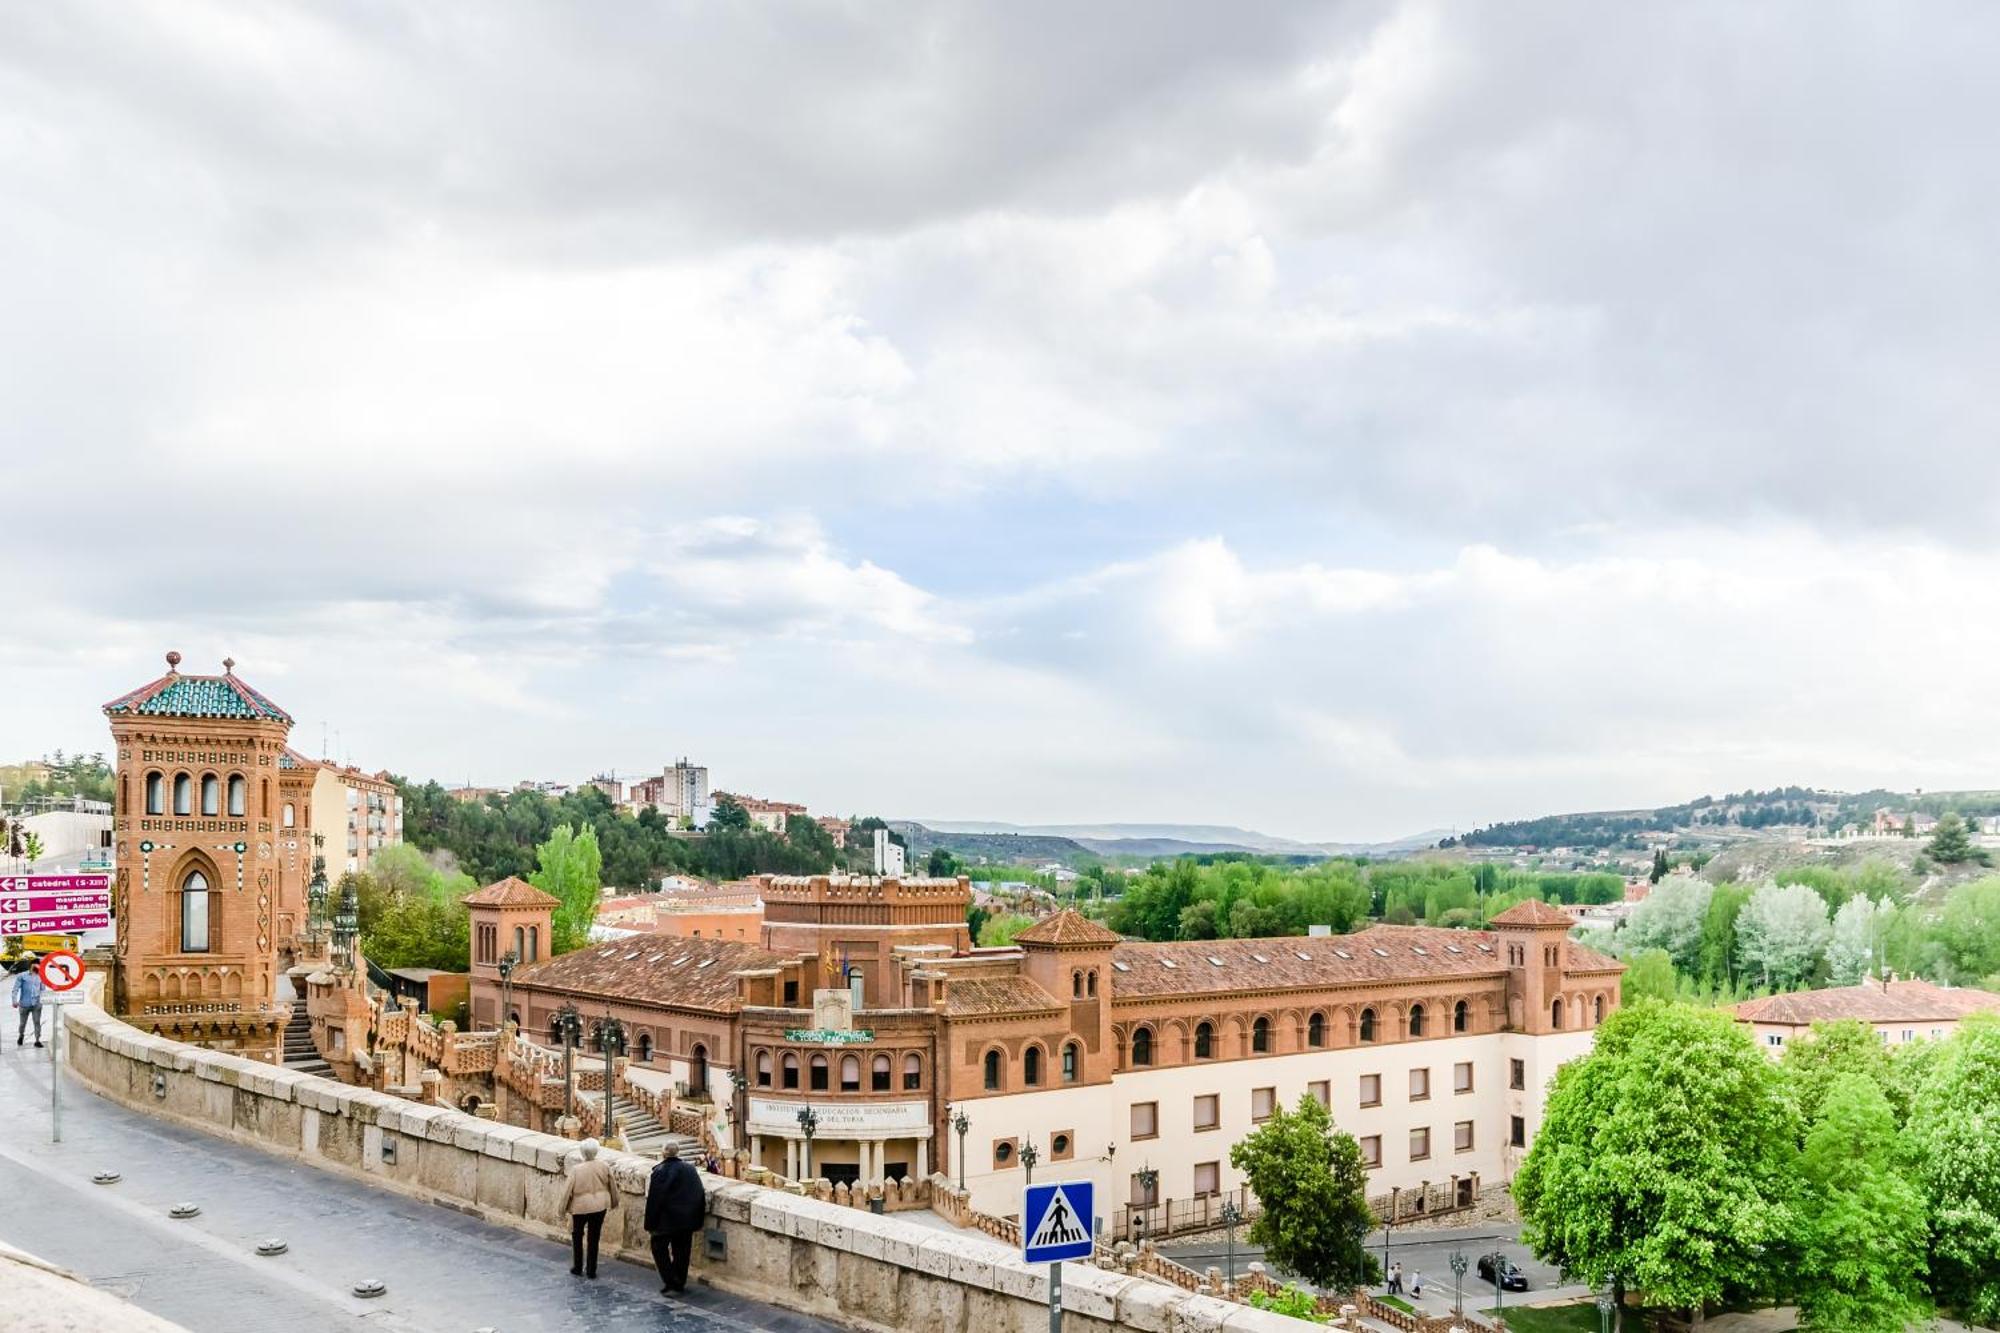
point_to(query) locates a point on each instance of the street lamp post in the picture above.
(961, 1123)
(1387, 1222)
(1230, 1217)
(1604, 1312)
(316, 890)
(1149, 1181)
(808, 1126)
(507, 964)
(1499, 1292)
(611, 1037)
(1458, 1282)
(569, 1026)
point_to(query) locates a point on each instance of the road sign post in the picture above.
(61, 973)
(1056, 1225)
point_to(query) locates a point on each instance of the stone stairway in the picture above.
(644, 1134)
(300, 1054)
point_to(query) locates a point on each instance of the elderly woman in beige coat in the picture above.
(586, 1198)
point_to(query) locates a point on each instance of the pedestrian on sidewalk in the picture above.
(27, 997)
(586, 1198)
(676, 1205)
(1395, 1279)
(1417, 1283)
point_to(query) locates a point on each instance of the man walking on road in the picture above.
(27, 996)
(675, 1206)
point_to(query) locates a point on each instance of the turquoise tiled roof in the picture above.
(175, 695)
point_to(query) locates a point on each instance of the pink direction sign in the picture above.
(16, 904)
(53, 923)
(54, 884)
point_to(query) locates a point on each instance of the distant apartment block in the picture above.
(768, 815)
(889, 856)
(679, 793)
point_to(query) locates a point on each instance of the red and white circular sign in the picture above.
(60, 970)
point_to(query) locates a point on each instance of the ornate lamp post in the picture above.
(1458, 1282)
(1605, 1306)
(1028, 1159)
(316, 891)
(508, 962)
(610, 1037)
(347, 924)
(808, 1126)
(961, 1123)
(1149, 1181)
(1499, 1291)
(1231, 1215)
(569, 1026)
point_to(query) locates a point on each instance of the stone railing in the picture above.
(441, 1046)
(806, 1254)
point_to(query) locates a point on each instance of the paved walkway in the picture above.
(446, 1272)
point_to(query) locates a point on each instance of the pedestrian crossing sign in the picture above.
(1056, 1222)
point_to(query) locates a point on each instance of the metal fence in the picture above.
(1171, 1217)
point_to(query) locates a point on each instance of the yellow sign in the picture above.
(45, 943)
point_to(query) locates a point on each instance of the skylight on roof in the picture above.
(630, 956)
(1168, 962)
(1339, 953)
(1486, 948)
(1453, 948)
(1303, 954)
(1122, 967)
(706, 962)
(1381, 952)
(1420, 949)
(1260, 957)
(1216, 961)
(654, 957)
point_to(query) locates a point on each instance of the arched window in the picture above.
(211, 795)
(1316, 1030)
(534, 943)
(238, 789)
(156, 794)
(1090, 982)
(1597, 1011)
(1416, 1020)
(850, 1073)
(791, 1070)
(521, 943)
(1367, 1025)
(913, 1072)
(1461, 1017)
(993, 1071)
(194, 913)
(291, 815)
(1260, 1036)
(1076, 985)
(698, 1068)
(183, 794)
(763, 1069)
(1142, 1046)
(555, 1030)
(645, 1048)
(1204, 1041)
(1031, 1066)
(1556, 1014)
(879, 1071)
(1069, 1062)
(818, 1068)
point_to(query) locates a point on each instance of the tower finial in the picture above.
(228, 665)
(173, 662)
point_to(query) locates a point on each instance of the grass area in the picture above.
(1397, 1302)
(1555, 1318)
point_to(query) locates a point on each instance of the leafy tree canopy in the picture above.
(1861, 1218)
(570, 868)
(1314, 1190)
(1955, 1131)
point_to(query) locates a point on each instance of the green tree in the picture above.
(941, 864)
(1782, 934)
(1671, 917)
(1314, 1190)
(1836, 1050)
(1659, 871)
(1715, 951)
(1002, 929)
(1650, 976)
(1950, 844)
(727, 814)
(1955, 1133)
(1861, 1218)
(31, 847)
(570, 868)
(1968, 930)
(1664, 1162)
(411, 912)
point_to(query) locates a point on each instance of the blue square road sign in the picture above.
(1056, 1222)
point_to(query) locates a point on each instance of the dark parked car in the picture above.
(1511, 1278)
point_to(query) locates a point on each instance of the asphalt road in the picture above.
(446, 1272)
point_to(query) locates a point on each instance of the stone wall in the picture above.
(868, 1271)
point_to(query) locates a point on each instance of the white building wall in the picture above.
(1100, 1117)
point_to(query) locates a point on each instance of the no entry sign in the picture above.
(60, 971)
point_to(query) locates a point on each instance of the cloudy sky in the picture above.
(1336, 420)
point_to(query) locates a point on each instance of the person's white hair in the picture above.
(669, 1150)
(588, 1148)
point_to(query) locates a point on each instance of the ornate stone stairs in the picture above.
(300, 1054)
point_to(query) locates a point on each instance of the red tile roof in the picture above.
(652, 969)
(1912, 1001)
(1533, 912)
(1068, 927)
(510, 892)
(972, 998)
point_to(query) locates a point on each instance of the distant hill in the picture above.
(999, 841)
(1735, 813)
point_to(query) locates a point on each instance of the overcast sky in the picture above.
(1339, 421)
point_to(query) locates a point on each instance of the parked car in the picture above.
(1511, 1277)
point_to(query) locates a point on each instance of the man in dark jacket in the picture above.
(676, 1204)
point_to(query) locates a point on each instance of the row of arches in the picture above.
(1574, 1011)
(818, 1070)
(217, 794)
(995, 1067)
(1177, 1041)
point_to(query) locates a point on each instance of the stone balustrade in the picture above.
(808, 1254)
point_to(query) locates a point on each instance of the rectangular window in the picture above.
(1420, 1144)
(1420, 1085)
(1518, 1132)
(1262, 1100)
(1145, 1120)
(1371, 1150)
(1322, 1092)
(194, 920)
(1371, 1089)
(1461, 1136)
(1517, 1074)
(1461, 1076)
(819, 1076)
(791, 994)
(1207, 1111)
(1773, 1039)
(1207, 1179)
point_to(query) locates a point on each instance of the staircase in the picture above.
(300, 1054)
(645, 1135)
